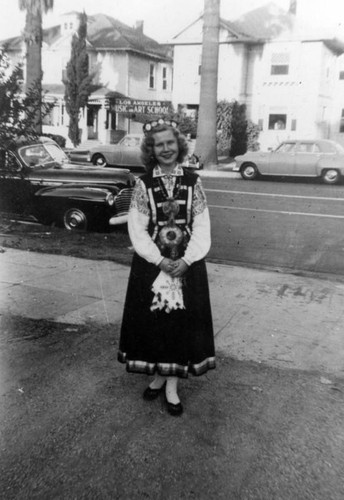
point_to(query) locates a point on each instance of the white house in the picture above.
(290, 79)
(133, 76)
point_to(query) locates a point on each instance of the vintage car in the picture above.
(295, 158)
(36, 179)
(126, 153)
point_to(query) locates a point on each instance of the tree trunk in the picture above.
(33, 40)
(206, 130)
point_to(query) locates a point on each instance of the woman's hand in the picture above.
(180, 268)
(167, 265)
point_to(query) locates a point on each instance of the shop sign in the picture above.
(139, 106)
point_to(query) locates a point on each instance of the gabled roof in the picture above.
(105, 33)
(234, 31)
(266, 22)
(269, 22)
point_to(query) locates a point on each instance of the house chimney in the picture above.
(292, 7)
(139, 27)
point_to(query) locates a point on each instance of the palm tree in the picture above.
(206, 130)
(33, 35)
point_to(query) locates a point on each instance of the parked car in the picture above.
(126, 153)
(36, 179)
(308, 158)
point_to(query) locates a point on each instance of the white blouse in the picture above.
(139, 217)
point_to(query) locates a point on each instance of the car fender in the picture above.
(329, 163)
(97, 193)
(110, 153)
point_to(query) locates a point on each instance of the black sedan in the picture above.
(37, 179)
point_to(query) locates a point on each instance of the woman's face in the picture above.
(166, 148)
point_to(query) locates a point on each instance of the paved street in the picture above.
(290, 225)
(266, 424)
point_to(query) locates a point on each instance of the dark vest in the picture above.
(183, 195)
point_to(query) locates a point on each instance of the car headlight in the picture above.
(110, 199)
(88, 156)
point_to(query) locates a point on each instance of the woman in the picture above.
(167, 326)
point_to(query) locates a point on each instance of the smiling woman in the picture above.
(169, 227)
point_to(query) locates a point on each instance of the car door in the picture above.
(131, 151)
(281, 161)
(307, 156)
(15, 191)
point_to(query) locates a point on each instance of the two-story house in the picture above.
(286, 75)
(133, 76)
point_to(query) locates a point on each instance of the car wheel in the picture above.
(331, 176)
(75, 219)
(99, 160)
(249, 172)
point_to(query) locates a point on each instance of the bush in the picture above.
(188, 125)
(236, 134)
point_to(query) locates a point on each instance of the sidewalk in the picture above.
(282, 320)
(74, 423)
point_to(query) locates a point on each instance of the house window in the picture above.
(277, 122)
(341, 125)
(293, 125)
(164, 78)
(280, 64)
(260, 124)
(152, 76)
(341, 75)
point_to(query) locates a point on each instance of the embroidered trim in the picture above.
(169, 369)
(199, 200)
(153, 207)
(139, 199)
(157, 172)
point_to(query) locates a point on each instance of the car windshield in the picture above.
(37, 155)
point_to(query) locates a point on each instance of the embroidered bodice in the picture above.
(147, 217)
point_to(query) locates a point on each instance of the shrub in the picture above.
(236, 134)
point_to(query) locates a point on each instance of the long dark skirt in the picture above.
(175, 343)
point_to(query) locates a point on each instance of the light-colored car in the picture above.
(126, 153)
(295, 158)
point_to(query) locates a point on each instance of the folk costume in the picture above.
(167, 324)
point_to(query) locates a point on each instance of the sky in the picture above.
(164, 19)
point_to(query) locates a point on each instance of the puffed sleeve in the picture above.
(138, 220)
(200, 241)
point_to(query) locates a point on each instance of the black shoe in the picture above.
(173, 409)
(150, 394)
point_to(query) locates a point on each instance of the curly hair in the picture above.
(147, 146)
